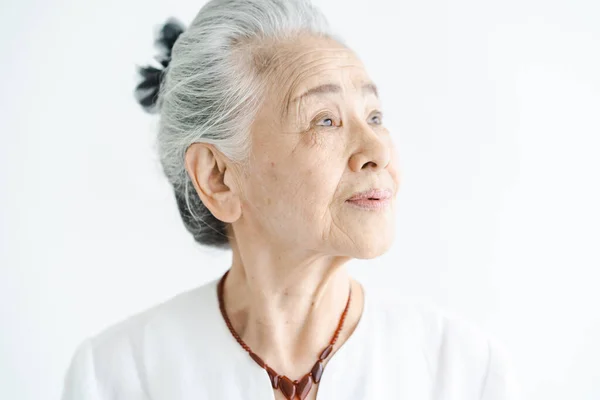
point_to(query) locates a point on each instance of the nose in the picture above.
(373, 149)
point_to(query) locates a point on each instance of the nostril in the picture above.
(370, 163)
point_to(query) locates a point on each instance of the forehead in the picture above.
(309, 61)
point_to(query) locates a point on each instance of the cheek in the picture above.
(297, 180)
(318, 185)
(320, 166)
(301, 192)
(264, 184)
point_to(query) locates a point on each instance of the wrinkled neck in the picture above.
(287, 308)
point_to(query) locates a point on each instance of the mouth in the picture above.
(372, 199)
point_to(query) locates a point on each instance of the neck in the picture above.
(287, 307)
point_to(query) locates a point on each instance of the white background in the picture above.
(495, 108)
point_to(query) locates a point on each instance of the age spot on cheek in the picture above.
(274, 172)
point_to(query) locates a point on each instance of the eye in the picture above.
(377, 118)
(325, 120)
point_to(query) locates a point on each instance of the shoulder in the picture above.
(459, 354)
(174, 314)
(114, 356)
(441, 330)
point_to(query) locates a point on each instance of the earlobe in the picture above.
(208, 170)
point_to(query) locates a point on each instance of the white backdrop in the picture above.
(495, 108)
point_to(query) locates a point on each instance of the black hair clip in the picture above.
(146, 92)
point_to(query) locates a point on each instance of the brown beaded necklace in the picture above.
(289, 388)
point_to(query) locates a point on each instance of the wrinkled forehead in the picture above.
(309, 62)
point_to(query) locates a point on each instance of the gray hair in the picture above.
(210, 90)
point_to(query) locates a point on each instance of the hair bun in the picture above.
(146, 92)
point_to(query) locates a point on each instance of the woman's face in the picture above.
(310, 153)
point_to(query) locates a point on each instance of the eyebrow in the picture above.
(368, 87)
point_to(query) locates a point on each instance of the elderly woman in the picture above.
(271, 134)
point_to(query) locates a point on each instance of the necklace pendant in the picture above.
(303, 387)
(295, 389)
(287, 387)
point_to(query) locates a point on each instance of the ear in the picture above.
(213, 178)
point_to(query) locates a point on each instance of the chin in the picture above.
(366, 234)
(369, 253)
(372, 246)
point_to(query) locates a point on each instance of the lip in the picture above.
(372, 195)
(372, 199)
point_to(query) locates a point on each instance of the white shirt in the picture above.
(182, 350)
